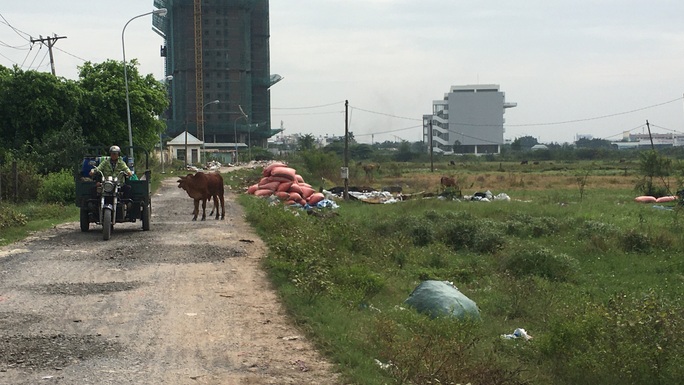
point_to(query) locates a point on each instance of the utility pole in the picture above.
(50, 43)
(649, 135)
(346, 150)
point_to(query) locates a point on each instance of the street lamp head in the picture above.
(169, 78)
(161, 12)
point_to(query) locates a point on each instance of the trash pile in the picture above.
(283, 182)
(442, 298)
(487, 196)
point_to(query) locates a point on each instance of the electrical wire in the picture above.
(312, 113)
(597, 117)
(385, 114)
(389, 132)
(304, 108)
(70, 54)
(16, 30)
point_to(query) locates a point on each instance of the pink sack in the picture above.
(263, 193)
(645, 199)
(284, 172)
(252, 189)
(295, 188)
(315, 198)
(273, 186)
(295, 196)
(307, 191)
(666, 199)
(282, 195)
(284, 186)
(270, 167)
(299, 178)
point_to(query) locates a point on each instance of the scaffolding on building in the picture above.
(218, 50)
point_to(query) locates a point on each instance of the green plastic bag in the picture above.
(441, 298)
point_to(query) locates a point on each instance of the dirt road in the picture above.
(184, 303)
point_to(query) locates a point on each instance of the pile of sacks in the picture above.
(283, 182)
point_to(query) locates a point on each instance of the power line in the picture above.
(70, 54)
(390, 131)
(597, 117)
(312, 113)
(16, 30)
(385, 114)
(304, 108)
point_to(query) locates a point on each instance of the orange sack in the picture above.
(284, 186)
(270, 167)
(273, 186)
(645, 199)
(315, 198)
(307, 191)
(282, 195)
(284, 172)
(263, 193)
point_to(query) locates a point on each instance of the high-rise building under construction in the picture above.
(217, 50)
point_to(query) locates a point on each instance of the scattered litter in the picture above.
(246, 240)
(517, 333)
(190, 314)
(291, 338)
(302, 366)
(384, 366)
(661, 207)
(46, 377)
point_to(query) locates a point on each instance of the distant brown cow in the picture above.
(446, 181)
(201, 187)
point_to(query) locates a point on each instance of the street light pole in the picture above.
(160, 12)
(204, 148)
(235, 132)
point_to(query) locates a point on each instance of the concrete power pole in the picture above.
(50, 43)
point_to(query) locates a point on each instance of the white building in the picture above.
(630, 140)
(470, 117)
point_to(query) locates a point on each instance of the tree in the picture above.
(404, 153)
(34, 104)
(524, 143)
(306, 142)
(103, 111)
(593, 143)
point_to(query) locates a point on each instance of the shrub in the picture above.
(541, 262)
(635, 241)
(58, 187)
(29, 181)
(422, 233)
(10, 218)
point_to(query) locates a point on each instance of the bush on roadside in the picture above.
(9, 217)
(58, 187)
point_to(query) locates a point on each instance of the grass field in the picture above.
(594, 277)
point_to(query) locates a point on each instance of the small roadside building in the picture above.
(177, 147)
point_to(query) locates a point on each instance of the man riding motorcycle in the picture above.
(112, 166)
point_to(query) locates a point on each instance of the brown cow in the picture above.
(446, 181)
(201, 187)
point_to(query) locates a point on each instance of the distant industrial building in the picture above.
(217, 50)
(630, 140)
(469, 120)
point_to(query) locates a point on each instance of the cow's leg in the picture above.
(216, 206)
(195, 212)
(223, 207)
(204, 209)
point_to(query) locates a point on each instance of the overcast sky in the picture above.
(596, 67)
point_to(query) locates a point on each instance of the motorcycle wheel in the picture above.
(146, 217)
(85, 220)
(107, 225)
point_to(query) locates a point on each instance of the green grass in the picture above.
(19, 221)
(597, 283)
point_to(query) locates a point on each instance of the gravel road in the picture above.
(183, 303)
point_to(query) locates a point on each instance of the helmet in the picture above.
(114, 149)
